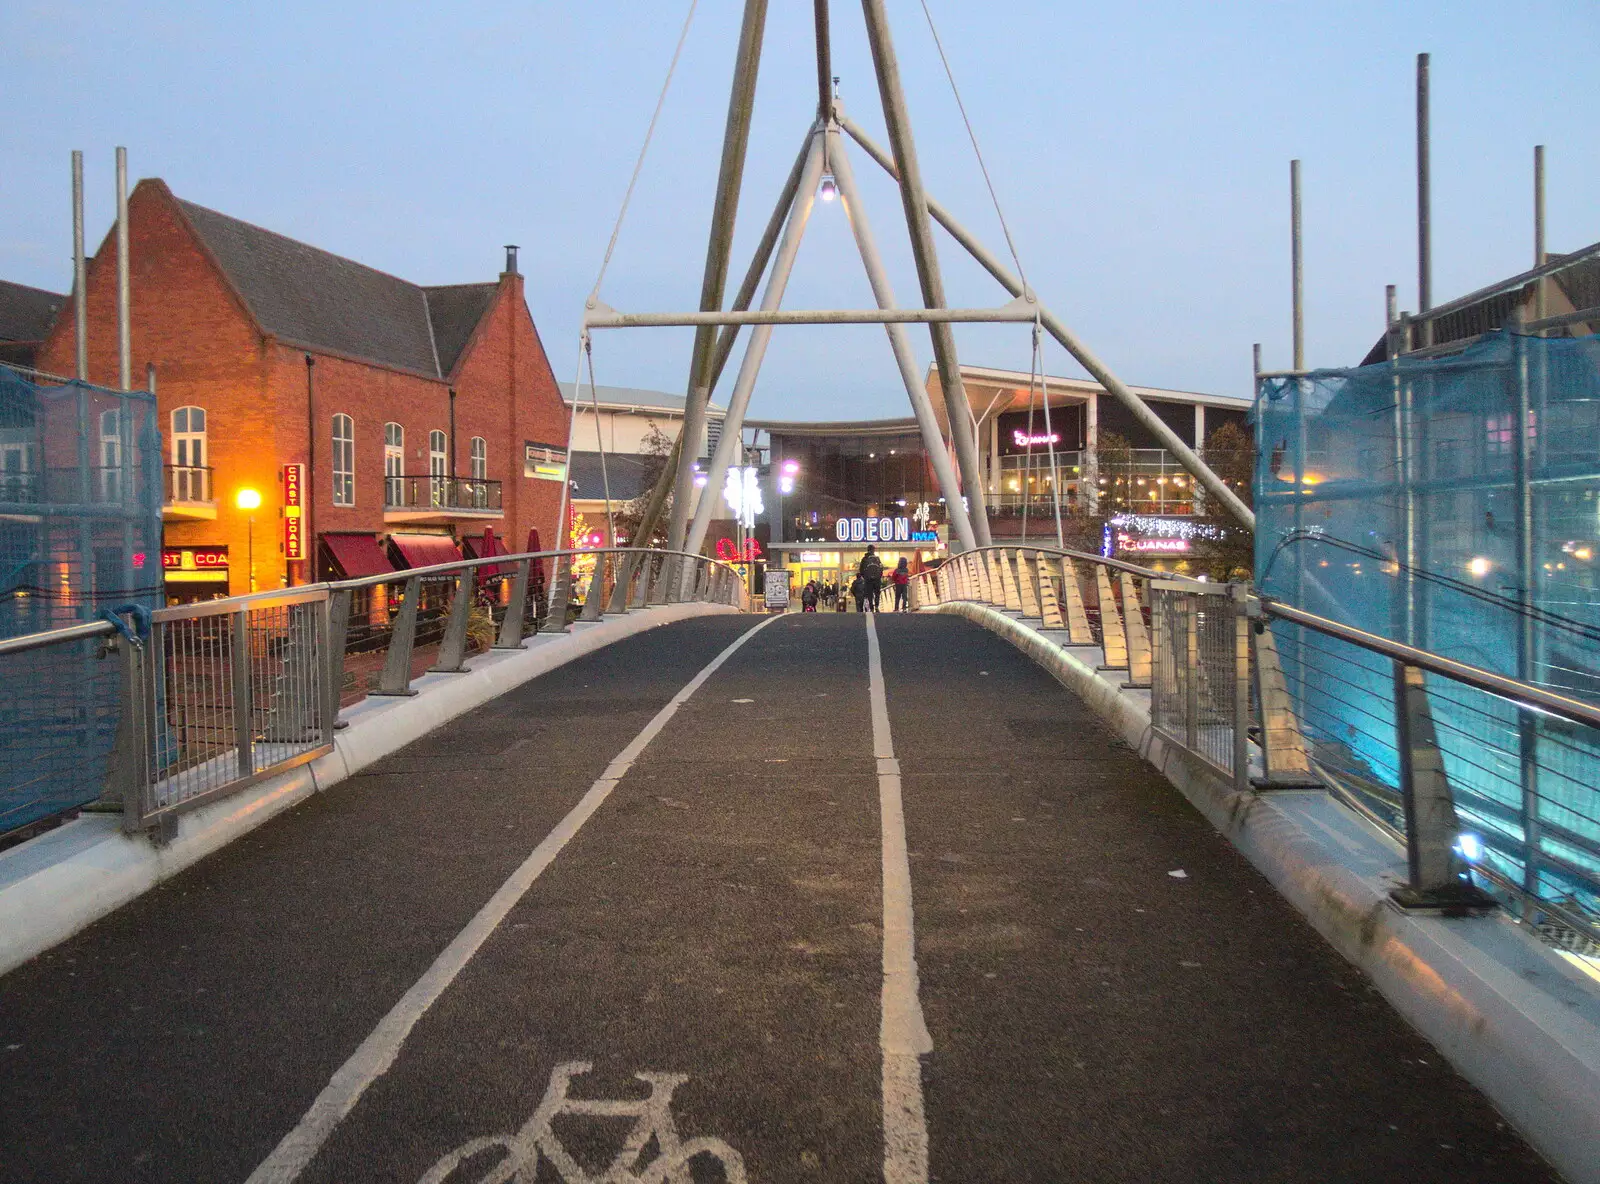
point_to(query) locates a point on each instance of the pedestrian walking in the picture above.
(858, 589)
(808, 597)
(870, 572)
(902, 586)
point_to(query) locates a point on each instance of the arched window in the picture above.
(436, 466)
(344, 460)
(190, 477)
(480, 472)
(394, 464)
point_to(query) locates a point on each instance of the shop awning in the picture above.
(424, 550)
(356, 555)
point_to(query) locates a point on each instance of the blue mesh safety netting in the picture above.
(80, 532)
(1452, 503)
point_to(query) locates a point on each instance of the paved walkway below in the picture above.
(407, 978)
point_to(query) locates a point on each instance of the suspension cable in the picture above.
(977, 151)
(643, 149)
(1049, 432)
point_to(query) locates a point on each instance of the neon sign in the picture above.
(873, 530)
(1152, 546)
(1022, 440)
(730, 552)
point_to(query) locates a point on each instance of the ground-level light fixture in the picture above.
(1479, 566)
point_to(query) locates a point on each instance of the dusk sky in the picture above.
(1141, 153)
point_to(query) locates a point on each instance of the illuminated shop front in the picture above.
(842, 487)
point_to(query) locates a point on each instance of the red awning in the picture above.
(356, 555)
(425, 550)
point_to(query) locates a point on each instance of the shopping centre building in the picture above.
(837, 487)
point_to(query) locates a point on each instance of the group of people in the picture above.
(866, 589)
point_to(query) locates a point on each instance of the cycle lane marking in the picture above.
(378, 1051)
(903, 1034)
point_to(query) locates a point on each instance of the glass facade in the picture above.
(850, 475)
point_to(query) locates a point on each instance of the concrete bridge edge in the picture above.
(1514, 1018)
(66, 879)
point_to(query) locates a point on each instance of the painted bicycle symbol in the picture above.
(520, 1153)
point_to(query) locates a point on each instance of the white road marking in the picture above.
(903, 1034)
(522, 1151)
(378, 1051)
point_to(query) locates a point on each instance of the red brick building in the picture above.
(417, 411)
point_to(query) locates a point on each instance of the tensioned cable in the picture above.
(644, 148)
(978, 152)
(605, 479)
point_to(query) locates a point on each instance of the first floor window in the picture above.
(436, 466)
(394, 464)
(480, 472)
(110, 456)
(344, 460)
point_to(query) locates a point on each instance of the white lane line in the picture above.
(378, 1051)
(903, 1035)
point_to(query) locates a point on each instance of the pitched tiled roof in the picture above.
(625, 470)
(455, 312)
(27, 313)
(315, 298)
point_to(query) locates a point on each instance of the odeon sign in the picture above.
(873, 530)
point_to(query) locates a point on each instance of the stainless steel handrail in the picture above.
(1527, 694)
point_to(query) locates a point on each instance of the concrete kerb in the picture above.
(57, 884)
(1510, 1014)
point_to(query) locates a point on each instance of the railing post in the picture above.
(658, 576)
(1286, 763)
(1113, 642)
(336, 629)
(1049, 604)
(1027, 587)
(1008, 583)
(243, 721)
(453, 647)
(627, 565)
(1435, 872)
(1137, 637)
(128, 771)
(1239, 594)
(1078, 631)
(594, 596)
(516, 609)
(639, 585)
(555, 620)
(396, 676)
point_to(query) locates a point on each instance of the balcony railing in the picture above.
(445, 495)
(188, 485)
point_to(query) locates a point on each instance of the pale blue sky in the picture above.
(1141, 151)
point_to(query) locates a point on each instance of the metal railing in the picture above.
(470, 494)
(165, 711)
(1433, 750)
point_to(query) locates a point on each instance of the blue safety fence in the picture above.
(80, 533)
(1452, 504)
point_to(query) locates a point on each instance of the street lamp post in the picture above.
(248, 500)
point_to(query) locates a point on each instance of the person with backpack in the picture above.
(902, 586)
(870, 572)
(858, 589)
(808, 597)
